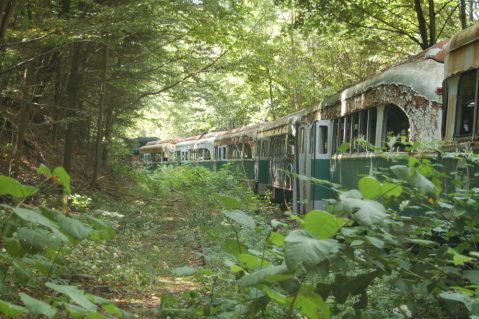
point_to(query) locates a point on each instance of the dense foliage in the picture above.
(37, 243)
(396, 247)
(77, 74)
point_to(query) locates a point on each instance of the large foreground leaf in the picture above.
(11, 310)
(417, 180)
(262, 275)
(302, 249)
(322, 224)
(10, 186)
(75, 294)
(38, 307)
(241, 218)
(366, 212)
(312, 306)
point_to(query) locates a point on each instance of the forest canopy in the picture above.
(89, 72)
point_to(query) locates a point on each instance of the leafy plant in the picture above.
(398, 234)
(36, 241)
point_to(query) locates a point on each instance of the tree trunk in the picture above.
(432, 23)
(471, 10)
(294, 59)
(7, 7)
(271, 100)
(109, 119)
(462, 14)
(422, 27)
(72, 104)
(23, 120)
(101, 107)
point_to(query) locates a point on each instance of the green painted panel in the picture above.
(321, 170)
(263, 171)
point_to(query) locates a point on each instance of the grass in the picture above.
(158, 223)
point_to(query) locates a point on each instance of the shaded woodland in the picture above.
(80, 75)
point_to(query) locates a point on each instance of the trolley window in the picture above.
(246, 150)
(264, 148)
(323, 140)
(206, 154)
(466, 104)
(397, 125)
(372, 119)
(301, 140)
(312, 139)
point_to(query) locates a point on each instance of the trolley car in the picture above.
(402, 104)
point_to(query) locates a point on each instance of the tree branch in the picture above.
(184, 78)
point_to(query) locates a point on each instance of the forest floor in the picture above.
(134, 268)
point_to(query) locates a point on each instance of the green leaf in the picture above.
(376, 242)
(472, 276)
(75, 294)
(460, 260)
(13, 247)
(35, 240)
(44, 170)
(455, 296)
(273, 294)
(276, 239)
(231, 247)
(312, 306)
(75, 311)
(37, 218)
(102, 230)
(10, 186)
(22, 274)
(252, 262)
(322, 225)
(73, 227)
(370, 187)
(228, 202)
(345, 286)
(302, 249)
(241, 218)
(63, 178)
(414, 178)
(11, 310)
(38, 307)
(366, 212)
(389, 190)
(183, 271)
(261, 275)
(344, 147)
(95, 315)
(234, 268)
(114, 310)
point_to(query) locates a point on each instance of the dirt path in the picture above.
(134, 269)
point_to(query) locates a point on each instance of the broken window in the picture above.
(396, 126)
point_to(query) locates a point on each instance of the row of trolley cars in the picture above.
(430, 97)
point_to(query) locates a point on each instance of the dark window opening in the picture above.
(246, 150)
(466, 104)
(335, 135)
(354, 131)
(301, 140)
(372, 119)
(396, 126)
(312, 139)
(323, 140)
(341, 131)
